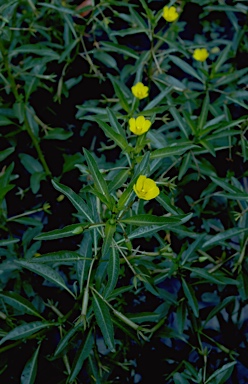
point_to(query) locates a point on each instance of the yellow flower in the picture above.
(140, 91)
(200, 54)
(146, 188)
(139, 125)
(170, 14)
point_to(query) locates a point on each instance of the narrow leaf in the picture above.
(146, 219)
(46, 272)
(185, 67)
(82, 354)
(99, 180)
(104, 321)
(174, 149)
(26, 330)
(65, 340)
(59, 257)
(69, 230)
(20, 303)
(29, 372)
(113, 135)
(220, 237)
(110, 229)
(190, 295)
(221, 375)
(113, 271)
(204, 112)
(76, 200)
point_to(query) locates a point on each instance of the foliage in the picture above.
(123, 191)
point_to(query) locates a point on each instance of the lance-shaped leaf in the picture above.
(99, 180)
(66, 339)
(45, 271)
(113, 135)
(20, 303)
(146, 219)
(59, 257)
(69, 230)
(76, 200)
(25, 330)
(221, 375)
(185, 67)
(4, 243)
(104, 321)
(115, 123)
(204, 112)
(119, 180)
(82, 354)
(190, 295)
(220, 237)
(29, 372)
(173, 150)
(109, 232)
(113, 271)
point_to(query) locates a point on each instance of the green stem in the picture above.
(37, 147)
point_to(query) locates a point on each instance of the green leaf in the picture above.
(104, 322)
(165, 201)
(99, 181)
(218, 308)
(63, 344)
(82, 354)
(76, 200)
(204, 112)
(58, 134)
(36, 49)
(115, 123)
(190, 295)
(29, 372)
(30, 163)
(4, 243)
(106, 59)
(69, 230)
(46, 272)
(146, 231)
(109, 232)
(113, 135)
(59, 257)
(222, 57)
(174, 149)
(121, 94)
(220, 237)
(20, 303)
(221, 375)
(185, 67)
(206, 276)
(5, 121)
(177, 117)
(158, 99)
(179, 379)
(113, 271)
(25, 330)
(119, 180)
(4, 154)
(122, 49)
(145, 219)
(228, 187)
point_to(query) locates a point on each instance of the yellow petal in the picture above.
(132, 125)
(152, 193)
(140, 182)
